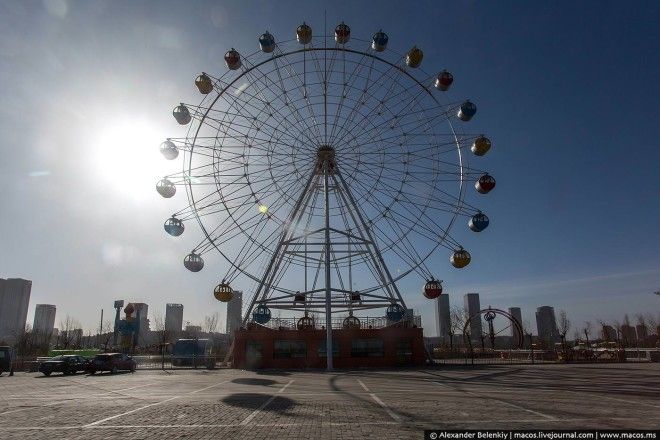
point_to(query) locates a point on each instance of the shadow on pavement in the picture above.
(255, 401)
(254, 381)
(272, 373)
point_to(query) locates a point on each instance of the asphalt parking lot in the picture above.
(235, 404)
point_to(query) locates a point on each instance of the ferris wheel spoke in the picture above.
(268, 104)
(432, 234)
(388, 73)
(381, 104)
(394, 122)
(296, 112)
(347, 86)
(301, 83)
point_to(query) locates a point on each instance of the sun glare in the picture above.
(126, 155)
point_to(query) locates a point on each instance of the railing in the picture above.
(338, 322)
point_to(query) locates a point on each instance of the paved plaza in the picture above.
(380, 404)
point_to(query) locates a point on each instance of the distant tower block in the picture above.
(472, 306)
(442, 318)
(235, 312)
(44, 319)
(546, 325)
(14, 301)
(174, 320)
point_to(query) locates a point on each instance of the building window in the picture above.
(323, 349)
(367, 348)
(284, 349)
(253, 348)
(404, 347)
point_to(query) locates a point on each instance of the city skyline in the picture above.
(442, 306)
(86, 193)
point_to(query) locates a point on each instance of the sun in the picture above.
(126, 155)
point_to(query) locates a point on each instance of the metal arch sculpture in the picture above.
(489, 315)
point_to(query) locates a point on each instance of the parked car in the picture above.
(6, 358)
(65, 364)
(112, 362)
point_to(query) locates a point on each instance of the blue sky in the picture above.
(566, 91)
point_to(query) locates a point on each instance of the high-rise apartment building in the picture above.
(44, 319)
(608, 333)
(642, 332)
(472, 307)
(174, 319)
(628, 335)
(14, 302)
(235, 312)
(516, 314)
(143, 310)
(443, 318)
(546, 325)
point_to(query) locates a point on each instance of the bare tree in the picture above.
(24, 341)
(587, 331)
(619, 337)
(527, 330)
(68, 335)
(163, 335)
(652, 323)
(576, 335)
(107, 332)
(210, 323)
(563, 326)
(457, 319)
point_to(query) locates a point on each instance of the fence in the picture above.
(528, 356)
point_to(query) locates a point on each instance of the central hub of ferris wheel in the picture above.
(263, 183)
(325, 160)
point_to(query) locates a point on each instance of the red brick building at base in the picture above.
(262, 347)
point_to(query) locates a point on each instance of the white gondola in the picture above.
(169, 150)
(166, 188)
(193, 262)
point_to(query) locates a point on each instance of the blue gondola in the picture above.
(467, 110)
(174, 226)
(267, 42)
(479, 222)
(261, 314)
(394, 312)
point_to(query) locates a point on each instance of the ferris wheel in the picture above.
(325, 170)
